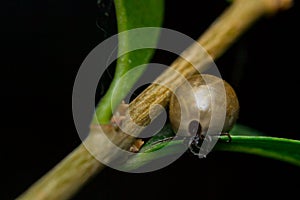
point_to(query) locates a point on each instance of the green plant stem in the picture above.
(130, 15)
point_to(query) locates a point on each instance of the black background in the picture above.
(44, 43)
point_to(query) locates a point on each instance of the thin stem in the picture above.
(68, 176)
(78, 167)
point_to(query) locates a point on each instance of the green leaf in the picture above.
(283, 149)
(163, 135)
(131, 14)
(171, 147)
(240, 129)
(286, 150)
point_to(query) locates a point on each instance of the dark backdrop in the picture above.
(43, 44)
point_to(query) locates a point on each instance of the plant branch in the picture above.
(68, 176)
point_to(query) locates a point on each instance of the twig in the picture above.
(77, 168)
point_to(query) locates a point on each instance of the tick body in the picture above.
(205, 91)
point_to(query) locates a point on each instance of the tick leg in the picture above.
(228, 135)
(193, 144)
(196, 142)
